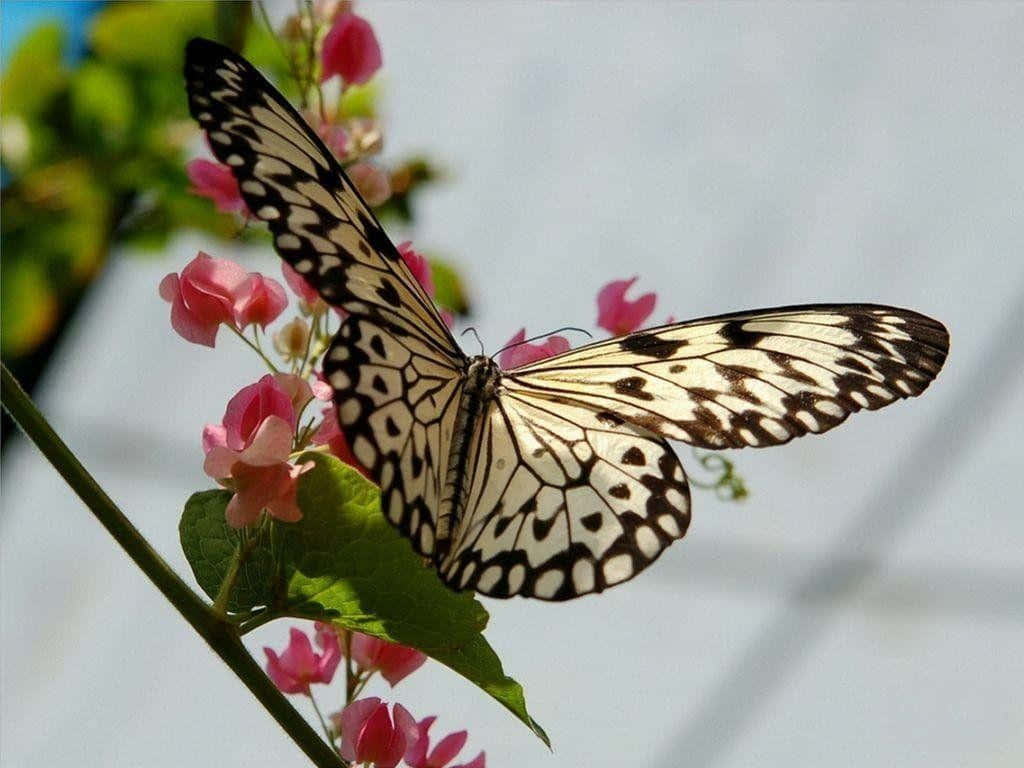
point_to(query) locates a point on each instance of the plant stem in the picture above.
(220, 605)
(253, 347)
(219, 633)
(320, 717)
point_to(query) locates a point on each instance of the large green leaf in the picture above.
(346, 564)
(210, 543)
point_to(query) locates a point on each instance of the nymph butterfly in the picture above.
(555, 479)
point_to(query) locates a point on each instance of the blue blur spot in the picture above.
(18, 18)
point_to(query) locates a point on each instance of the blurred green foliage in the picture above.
(93, 155)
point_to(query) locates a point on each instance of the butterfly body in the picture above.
(554, 479)
(481, 380)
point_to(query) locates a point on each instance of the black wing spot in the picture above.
(377, 345)
(633, 386)
(417, 465)
(541, 528)
(619, 491)
(607, 417)
(379, 385)
(391, 428)
(635, 457)
(501, 525)
(738, 336)
(651, 345)
(389, 293)
(592, 522)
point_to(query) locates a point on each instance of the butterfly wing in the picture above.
(288, 178)
(397, 402)
(755, 378)
(563, 501)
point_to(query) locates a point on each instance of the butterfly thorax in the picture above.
(481, 378)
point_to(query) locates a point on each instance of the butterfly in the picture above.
(554, 479)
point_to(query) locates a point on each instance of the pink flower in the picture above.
(330, 434)
(418, 265)
(371, 181)
(523, 353)
(298, 665)
(616, 314)
(204, 296)
(393, 661)
(250, 407)
(350, 50)
(445, 751)
(262, 301)
(298, 284)
(260, 475)
(215, 181)
(369, 735)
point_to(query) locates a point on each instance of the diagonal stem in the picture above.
(219, 633)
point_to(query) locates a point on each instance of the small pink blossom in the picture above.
(351, 50)
(523, 353)
(249, 408)
(371, 181)
(260, 475)
(419, 266)
(369, 735)
(616, 314)
(262, 301)
(215, 181)
(204, 296)
(299, 666)
(445, 751)
(298, 284)
(394, 662)
(330, 434)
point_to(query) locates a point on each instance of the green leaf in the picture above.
(34, 74)
(28, 307)
(149, 36)
(346, 564)
(450, 293)
(102, 105)
(209, 544)
(360, 100)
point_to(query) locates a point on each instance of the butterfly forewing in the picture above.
(397, 401)
(563, 501)
(288, 178)
(749, 379)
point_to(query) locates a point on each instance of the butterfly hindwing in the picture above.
(287, 177)
(397, 402)
(754, 378)
(563, 501)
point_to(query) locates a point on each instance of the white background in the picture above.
(864, 607)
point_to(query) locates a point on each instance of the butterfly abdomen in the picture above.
(481, 381)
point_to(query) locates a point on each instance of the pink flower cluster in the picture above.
(249, 450)
(371, 732)
(210, 291)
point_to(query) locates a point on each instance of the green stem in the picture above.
(219, 634)
(320, 717)
(254, 348)
(220, 604)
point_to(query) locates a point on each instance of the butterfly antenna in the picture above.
(471, 328)
(544, 335)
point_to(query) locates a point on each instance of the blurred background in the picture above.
(864, 605)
